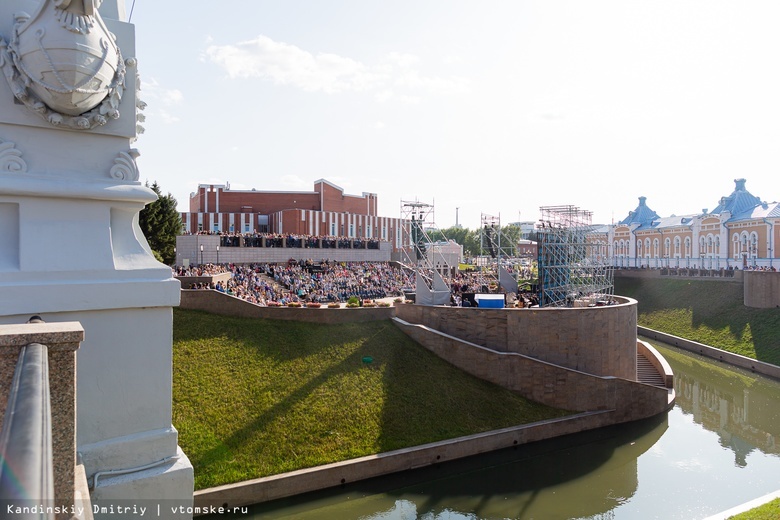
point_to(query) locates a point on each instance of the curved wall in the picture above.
(596, 340)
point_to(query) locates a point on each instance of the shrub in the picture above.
(294, 304)
(334, 305)
(314, 305)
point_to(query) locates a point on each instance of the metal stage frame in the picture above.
(571, 268)
(433, 284)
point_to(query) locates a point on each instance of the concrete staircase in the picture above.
(647, 373)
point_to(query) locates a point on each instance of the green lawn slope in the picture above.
(709, 312)
(253, 397)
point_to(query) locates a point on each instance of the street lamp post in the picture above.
(201, 254)
(217, 254)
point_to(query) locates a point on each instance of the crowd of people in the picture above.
(323, 282)
(307, 281)
(255, 239)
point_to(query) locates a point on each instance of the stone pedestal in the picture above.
(71, 250)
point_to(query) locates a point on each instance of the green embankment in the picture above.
(709, 312)
(768, 511)
(253, 398)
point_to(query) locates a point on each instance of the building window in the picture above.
(754, 245)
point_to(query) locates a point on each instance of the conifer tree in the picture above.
(161, 223)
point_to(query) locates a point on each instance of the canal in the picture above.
(717, 448)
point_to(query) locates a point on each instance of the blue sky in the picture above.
(494, 107)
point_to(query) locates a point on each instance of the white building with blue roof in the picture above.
(741, 232)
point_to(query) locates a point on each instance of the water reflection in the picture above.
(742, 408)
(716, 449)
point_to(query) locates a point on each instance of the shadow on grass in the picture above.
(235, 442)
(714, 305)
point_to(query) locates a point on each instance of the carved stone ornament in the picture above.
(125, 168)
(11, 158)
(64, 64)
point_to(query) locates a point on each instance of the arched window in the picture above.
(753, 245)
(647, 247)
(655, 247)
(735, 245)
(709, 245)
(687, 247)
(677, 247)
(667, 246)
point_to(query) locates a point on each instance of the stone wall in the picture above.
(543, 382)
(223, 304)
(761, 289)
(595, 340)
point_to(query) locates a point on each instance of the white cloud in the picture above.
(379, 125)
(167, 117)
(286, 64)
(151, 89)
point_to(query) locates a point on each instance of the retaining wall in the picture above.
(595, 340)
(544, 382)
(223, 304)
(761, 289)
(340, 473)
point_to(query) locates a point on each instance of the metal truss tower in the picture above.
(571, 267)
(490, 235)
(432, 272)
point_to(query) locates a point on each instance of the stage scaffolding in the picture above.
(490, 244)
(490, 236)
(571, 268)
(433, 274)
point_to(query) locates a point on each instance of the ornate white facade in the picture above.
(70, 245)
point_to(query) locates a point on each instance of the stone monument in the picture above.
(70, 245)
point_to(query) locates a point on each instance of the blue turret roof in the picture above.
(739, 201)
(761, 211)
(641, 215)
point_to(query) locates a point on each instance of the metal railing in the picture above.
(26, 458)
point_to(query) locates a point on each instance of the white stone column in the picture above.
(71, 250)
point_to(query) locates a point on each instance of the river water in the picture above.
(717, 448)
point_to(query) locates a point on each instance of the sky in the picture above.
(482, 109)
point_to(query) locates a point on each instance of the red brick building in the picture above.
(325, 211)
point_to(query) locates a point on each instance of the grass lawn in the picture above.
(253, 397)
(768, 511)
(709, 312)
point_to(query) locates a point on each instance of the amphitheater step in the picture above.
(647, 373)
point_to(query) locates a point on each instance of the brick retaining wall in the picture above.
(595, 340)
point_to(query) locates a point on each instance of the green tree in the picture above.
(161, 223)
(468, 238)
